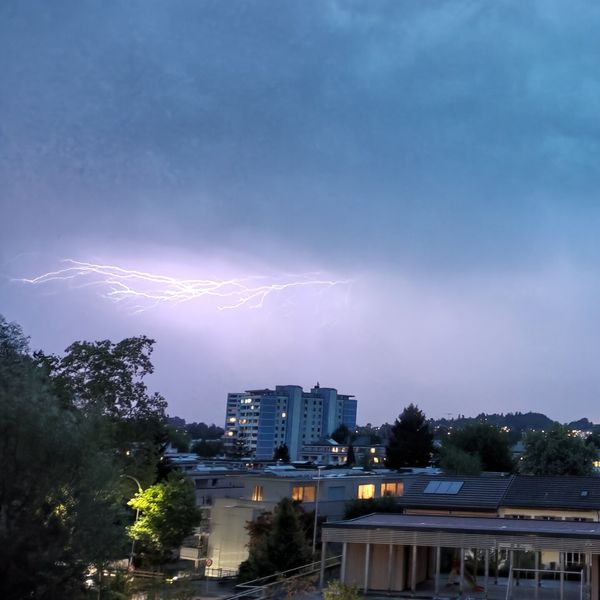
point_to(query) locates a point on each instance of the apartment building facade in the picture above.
(259, 421)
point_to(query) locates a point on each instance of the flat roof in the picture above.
(478, 525)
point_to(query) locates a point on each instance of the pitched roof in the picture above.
(533, 491)
(464, 493)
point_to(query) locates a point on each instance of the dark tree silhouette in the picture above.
(411, 441)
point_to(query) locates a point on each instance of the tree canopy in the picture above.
(60, 509)
(278, 544)
(167, 515)
(487, 445)
(282, 453)
(557, 452)
(411, 442)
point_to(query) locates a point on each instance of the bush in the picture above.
(336, 590)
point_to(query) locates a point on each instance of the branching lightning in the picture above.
(149, 289)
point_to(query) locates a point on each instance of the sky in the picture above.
(410, 186)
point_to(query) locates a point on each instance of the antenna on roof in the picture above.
(317, 386)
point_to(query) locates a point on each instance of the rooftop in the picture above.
(479, 525)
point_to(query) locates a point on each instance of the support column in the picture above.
(487, 571)
(562, 576)
(588, 575)
(511, 563)
(390, 567)
(343, 569)
(537, 575)
(497, 566)
(462, 570)
(323, 558)
(413, 569)
(438, 563)
(367, 561)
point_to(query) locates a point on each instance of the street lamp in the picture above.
(137, 516)
(314, 544)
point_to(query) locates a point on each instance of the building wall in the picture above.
(265, 419)
(379, 579)
(228, 540)
(355, 565)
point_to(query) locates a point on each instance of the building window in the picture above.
(303, 493)
(257, 493)
(392, 489)
(366, 491)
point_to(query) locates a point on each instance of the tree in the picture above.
(455, 461)
(107, 375)
(411, 442)
(208, 448)
(178, 438)
(341, 435)
(281, 546)
(60, 509)
(358, 508)
(488, 444)
(202, 431)
(282, 453)
(557, 452)
(351, 458)
(239, 449)
(168, 514)
(107, 379)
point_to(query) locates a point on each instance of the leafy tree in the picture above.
(178, 438)
(168, 514)
(107, 379)
(557, 452)
(411, 442)
(485, 442)
(60, 509)
(107, 375)
(282, 453)
(239, 449)
(455, 461)
(358, 508)
(282, 546)
(202, 431)
(341, 435)
(351, 458)
(208, 448)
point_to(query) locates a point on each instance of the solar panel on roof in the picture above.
(443, 487)
(432, 487)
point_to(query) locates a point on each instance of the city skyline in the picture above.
(395, 199)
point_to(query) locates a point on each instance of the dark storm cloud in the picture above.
(444, 153)
(457, 120)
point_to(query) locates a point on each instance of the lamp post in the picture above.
(314, 544)
(137, 516)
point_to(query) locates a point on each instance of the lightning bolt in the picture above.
(120, 284)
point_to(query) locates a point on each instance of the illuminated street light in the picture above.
(137, 516)
(314, 544)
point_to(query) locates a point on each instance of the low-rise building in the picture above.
(330, 489)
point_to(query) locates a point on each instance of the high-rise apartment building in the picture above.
(262, 420)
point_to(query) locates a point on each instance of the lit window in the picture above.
(283, 415)
(303, 493)
(366, 491)
(232, 419)
(392, 489)
(372, 450)
(257, 493)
